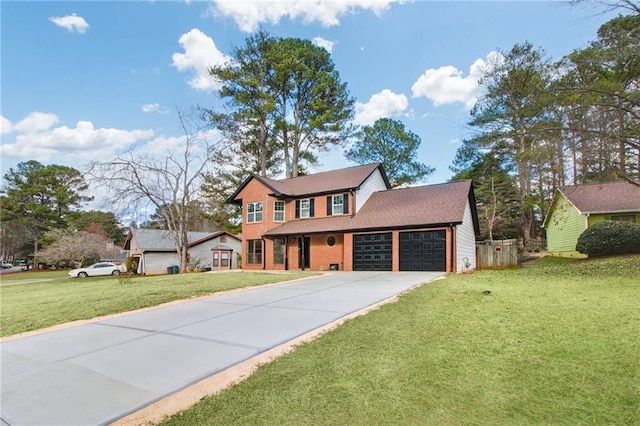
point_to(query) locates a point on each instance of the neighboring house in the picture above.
(350, 219)
(576, 208)
(156, 250)
(113, 253)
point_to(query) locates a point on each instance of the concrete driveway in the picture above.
(99, 372)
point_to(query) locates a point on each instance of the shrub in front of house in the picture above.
(610, 237)
(132, 264)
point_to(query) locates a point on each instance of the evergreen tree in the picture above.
(387, 142)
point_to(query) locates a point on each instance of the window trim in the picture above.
(337, 201)
(299, 208)
(306, 209)
(276, 211)
(254, 252)
(252, 216)
(334, 204)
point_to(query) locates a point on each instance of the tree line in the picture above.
(542, 125)
(538, 126)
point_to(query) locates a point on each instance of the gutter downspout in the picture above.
(454, 250)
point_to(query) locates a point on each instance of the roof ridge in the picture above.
(431, 185)
(285, 180)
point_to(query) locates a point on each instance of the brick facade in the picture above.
(322, 255)
(311, 236)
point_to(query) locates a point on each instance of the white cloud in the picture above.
(446, 85)
(38, 138)
(249, 14)
(36, 122)
(71, 23)
(325, 44)
(155, 107)
(383, 104)
(5, 125)
(150, 107)
(200, 53)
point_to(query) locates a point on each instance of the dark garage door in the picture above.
(372, 252)
(423, 251)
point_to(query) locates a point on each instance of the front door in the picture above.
(304, 260)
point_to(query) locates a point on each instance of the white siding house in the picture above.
(156, 251)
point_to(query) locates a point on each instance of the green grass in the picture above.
(557, 342)
(34, 300)
(19, 277)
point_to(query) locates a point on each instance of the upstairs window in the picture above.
(278, 211)
(337, 204)
(304, 208)
(254, 212)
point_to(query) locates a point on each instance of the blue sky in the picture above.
(82, 81)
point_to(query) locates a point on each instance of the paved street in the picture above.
(99, 372)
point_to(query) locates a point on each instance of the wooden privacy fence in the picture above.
(497, 254)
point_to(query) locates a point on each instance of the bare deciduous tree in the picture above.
(169, 181)
(75, 246)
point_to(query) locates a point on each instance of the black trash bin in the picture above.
(169, 270)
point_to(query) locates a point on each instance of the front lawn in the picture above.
(51, 298)
(554, 343)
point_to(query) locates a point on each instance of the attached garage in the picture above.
(423, 251)
(372, 252)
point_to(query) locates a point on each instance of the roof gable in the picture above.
(318, 183)
(162, 240)
(612, 197)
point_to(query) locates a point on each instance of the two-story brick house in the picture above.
(350, 219)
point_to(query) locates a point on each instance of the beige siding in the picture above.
(564, 226)
(465, 243)
(374, 183)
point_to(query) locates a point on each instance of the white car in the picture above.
(97, 269)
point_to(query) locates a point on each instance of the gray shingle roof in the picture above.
(319, 183)
(612, 197)
(420, 205)
(161, 240)
(395, 208)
